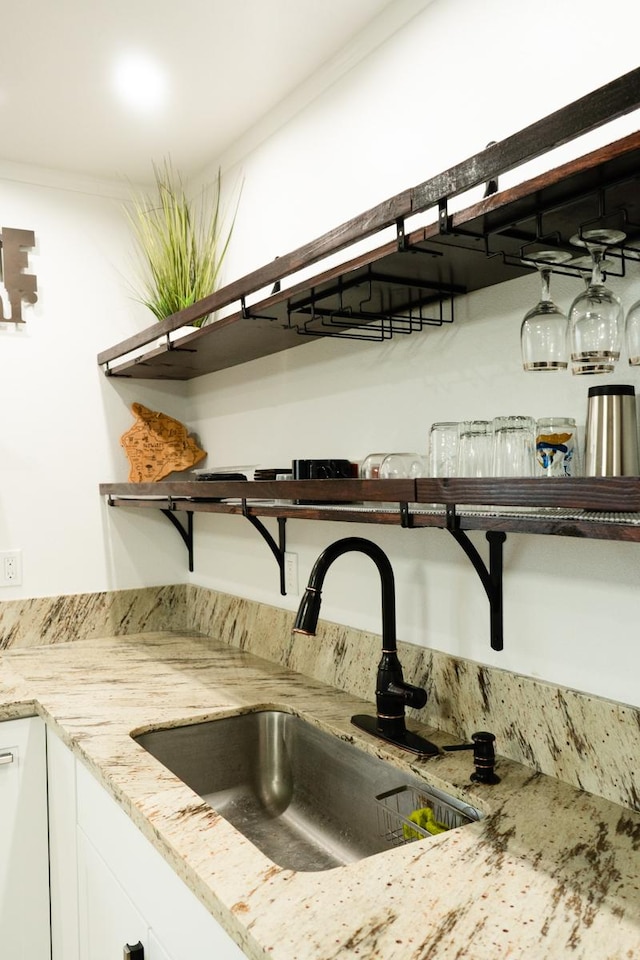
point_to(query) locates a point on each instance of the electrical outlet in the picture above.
(10, 568)
(291, 572)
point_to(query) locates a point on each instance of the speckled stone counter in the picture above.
(551, 871)
(584, 740)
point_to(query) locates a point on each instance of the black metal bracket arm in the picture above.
(277, 549)
(186, 533)
(491, 578)
(406, 520)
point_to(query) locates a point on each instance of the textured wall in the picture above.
(46, 620)
(589, 742)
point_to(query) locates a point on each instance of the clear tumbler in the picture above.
(475, 448)
(443, 449)
(557, 450)
(513, 446)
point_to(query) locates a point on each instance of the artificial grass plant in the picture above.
(180, 246)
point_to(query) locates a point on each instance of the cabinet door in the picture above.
(179, 922)
(156, 951)
(24, 862)
(63, 865)
(108, 918)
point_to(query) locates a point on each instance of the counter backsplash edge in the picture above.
(586, 741)
(40, 621)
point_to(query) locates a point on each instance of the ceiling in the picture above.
(102, 88)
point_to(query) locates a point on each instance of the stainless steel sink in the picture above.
(306, 798)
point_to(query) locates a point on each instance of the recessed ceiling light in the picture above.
(140, 82)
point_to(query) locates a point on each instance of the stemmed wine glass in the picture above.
(632, 333)
(596, 315)
(543, 333)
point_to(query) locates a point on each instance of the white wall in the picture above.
(461, 73)
(61, 419)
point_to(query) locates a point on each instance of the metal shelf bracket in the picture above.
(444, 219)
(277, 549)
(406, 520)
(401, 236)
(186, 533)
(491, 578)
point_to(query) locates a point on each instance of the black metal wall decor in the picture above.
(19, 286)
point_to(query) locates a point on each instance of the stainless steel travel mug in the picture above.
(611, 444)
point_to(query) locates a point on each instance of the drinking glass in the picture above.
(557, 450)
(443, 449)
(370, 466)
(475, 448)
(396, 466)
(596, 316)
(513, 446)
(632, 334)
(543, 334)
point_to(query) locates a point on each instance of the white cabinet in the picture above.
(63, 860)
(108, 918)
(123, 890)
(24, 866)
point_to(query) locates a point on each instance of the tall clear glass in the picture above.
(632, 334)
(475, 448)
(513, 446)
(443, 449)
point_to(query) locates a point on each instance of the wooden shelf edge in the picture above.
(612, 100)
(317, 490)
(586, 528)
(614, 494)
(602, 494)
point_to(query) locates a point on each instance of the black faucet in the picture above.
(392, 693)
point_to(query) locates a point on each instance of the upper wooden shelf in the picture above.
(413, 280)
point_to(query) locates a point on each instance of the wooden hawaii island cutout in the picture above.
(156, 445)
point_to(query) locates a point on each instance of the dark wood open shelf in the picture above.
(598, 508)
(588, 508)
(402, 286)
(412, 281)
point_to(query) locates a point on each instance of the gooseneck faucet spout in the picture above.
(392, 693)
(309, 609)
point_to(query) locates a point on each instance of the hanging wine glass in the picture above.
(632, 334)
(543, 333)
(596, 315)
(585, 265)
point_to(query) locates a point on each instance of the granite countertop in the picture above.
(550, 872)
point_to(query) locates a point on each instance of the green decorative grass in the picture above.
(180, 247)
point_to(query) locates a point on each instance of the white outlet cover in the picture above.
(10, 568)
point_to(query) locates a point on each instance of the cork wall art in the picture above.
(157, 445)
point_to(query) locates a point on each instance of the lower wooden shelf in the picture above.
(591, 508)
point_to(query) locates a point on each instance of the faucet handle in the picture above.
(414, 697)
